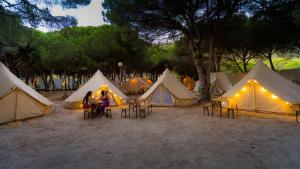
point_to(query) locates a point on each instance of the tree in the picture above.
(30, 14)
(276, 27)
(192, 19)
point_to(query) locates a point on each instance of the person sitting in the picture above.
(87, 104)
(87, 100)
(106, 100)
(101, 102)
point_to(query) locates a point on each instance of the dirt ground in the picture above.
(167, 138)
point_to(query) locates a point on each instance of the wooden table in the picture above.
(134, 105)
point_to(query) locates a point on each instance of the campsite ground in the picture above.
(166, 138)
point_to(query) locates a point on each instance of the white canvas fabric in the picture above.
(235, 77)
(19, 101)
(135, 85)
(8, 81)
(165, 88)
(273, 83)
(292, 75)
(93, 85)
(219, 81)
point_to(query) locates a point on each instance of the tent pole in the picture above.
(254, 100)
(16, 108)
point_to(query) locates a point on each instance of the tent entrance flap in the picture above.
(162, 96)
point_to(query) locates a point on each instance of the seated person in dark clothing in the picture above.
(101, 102)
(87, 100)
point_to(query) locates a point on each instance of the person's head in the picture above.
(102, 93)
(88, 94)
(86, 97)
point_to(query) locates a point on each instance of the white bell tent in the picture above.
(167, 91)
(219, 83)
(19, 101)
(262, 89)
(96, 84)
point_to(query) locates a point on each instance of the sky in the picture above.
(90, 15)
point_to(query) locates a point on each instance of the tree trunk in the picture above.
(245, 66)
(204, 87)
(271, 61)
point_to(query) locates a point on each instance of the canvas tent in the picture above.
(135, 85)
(292, 75)
(96, 84)
(167, 91)
(19, 101)
(219, 83)
(263, 90)
(117, 82)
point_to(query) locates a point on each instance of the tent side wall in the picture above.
(161, 96)
(8, 107)
(18, 105)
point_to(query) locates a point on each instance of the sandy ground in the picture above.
(167, 138)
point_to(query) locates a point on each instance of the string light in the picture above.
(263, 89)
(254, 81)
(274, 96)
(287, 103)
(244, 89)
(237, 95)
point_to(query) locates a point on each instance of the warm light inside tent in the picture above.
(149, 81)
(254, 96)
(133, 81)
(189, 83)
(115, 97)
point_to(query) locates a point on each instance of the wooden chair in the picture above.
(108, 112)
(143, 111)
(87, 111)
(124, 110)
(206, 108)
